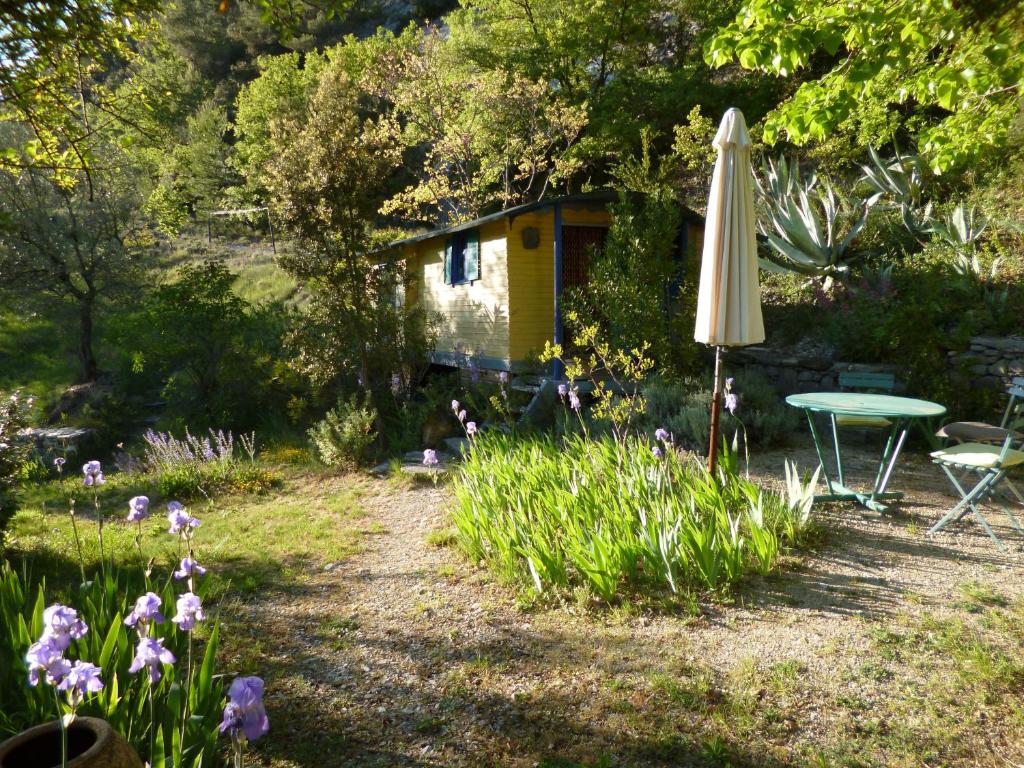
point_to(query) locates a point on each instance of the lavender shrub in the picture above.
(193, 467)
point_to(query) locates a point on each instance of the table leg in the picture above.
(835, 445)
(837, 490)
(821, 454)
(891, 465)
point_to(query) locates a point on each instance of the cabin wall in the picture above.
(474, 316)
(531, 275)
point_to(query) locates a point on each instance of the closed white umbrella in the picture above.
(729, 301)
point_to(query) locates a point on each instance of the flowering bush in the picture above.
(193, 467)
(614, 515)
(120, 659)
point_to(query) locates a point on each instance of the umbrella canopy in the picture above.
(729, 301)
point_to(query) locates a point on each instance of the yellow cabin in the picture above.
(497, 281)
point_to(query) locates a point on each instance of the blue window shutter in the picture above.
(473, 255)
(448, 261)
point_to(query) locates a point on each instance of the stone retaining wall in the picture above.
(989, 363)
(793, 371)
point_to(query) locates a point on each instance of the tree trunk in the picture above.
(88, 371)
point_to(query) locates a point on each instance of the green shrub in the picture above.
(346, 434)
(14, 451)
(684, 409)
(613, 516)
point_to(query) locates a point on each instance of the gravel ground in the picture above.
(404, 654)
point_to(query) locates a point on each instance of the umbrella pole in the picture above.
(716, 409)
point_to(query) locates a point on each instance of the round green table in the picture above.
(900, 411)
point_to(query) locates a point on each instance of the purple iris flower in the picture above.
(244, 711)
(429, 457)
(175, 506)
(661, 435)
(147, 608)
(470, 428)
(45, 657)
(656, 451)
(82, 678)
(455, 405)
(563, 390)
(59, 462)
(181, 521)
(93, 472)
(732, 402)
(462, 415)
(138, 508)
(190, 610)
(150, 653)
(574, 400)
(729, 382)
(188, 568)
(62, 625)
(503, 377)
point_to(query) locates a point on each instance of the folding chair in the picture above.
(982, 432)
(990, 463)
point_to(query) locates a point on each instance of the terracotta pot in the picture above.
(92, 743)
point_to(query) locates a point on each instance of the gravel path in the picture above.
(404, 654)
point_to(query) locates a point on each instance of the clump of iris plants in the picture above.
(46, 662)
(244, 717)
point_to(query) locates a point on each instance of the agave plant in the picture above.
(799, 501)
(901, 180)
(808, 225)
(959, 229)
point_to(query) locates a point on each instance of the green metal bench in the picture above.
(865, 381)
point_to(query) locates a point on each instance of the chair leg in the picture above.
(955, 512)
(967, 503)
(1013, 488)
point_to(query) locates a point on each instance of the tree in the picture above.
(211, 352)
(281, 92)
(485, 136)
(949, 73)
(56, 54)
(78, 242)
(328, 174)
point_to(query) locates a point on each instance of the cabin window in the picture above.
(462, 257)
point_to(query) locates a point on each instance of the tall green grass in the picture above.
(614, 517)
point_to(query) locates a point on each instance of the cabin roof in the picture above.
(597, 196)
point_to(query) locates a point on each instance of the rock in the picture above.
(999, 342)
(76, 397)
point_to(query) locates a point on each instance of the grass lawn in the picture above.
(381, 645)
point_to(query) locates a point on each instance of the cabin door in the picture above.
(578, 247)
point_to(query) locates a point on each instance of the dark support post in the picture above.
(557, 369)
(209, 232)
(270, 224)
(716, 409)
